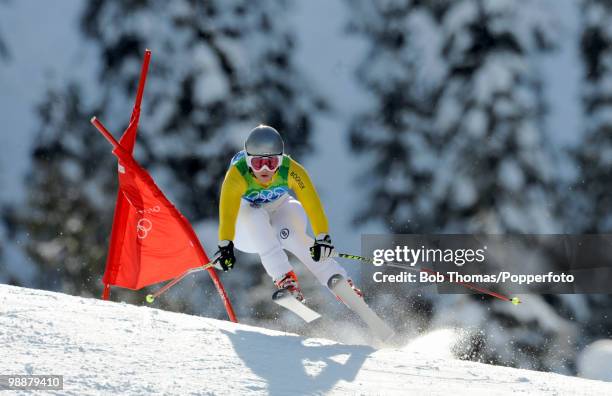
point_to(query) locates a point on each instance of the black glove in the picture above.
(322, 247)
(224, 258)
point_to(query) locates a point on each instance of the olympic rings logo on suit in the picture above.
(143, 227)
(267, 195)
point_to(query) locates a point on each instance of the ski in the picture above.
(343, 290)
(284, 298)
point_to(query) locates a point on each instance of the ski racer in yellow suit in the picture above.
(258, 215)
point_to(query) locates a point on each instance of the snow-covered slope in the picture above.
(107, 348)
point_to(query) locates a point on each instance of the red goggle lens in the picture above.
(257, 163)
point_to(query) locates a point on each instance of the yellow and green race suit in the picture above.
(240, 183)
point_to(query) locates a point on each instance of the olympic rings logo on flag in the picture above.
(143, 227)
(154, 209)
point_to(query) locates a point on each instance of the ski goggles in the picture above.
(258, 162)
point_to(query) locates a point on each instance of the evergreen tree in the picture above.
(69, 208)
(218, 69)
(589, 199)
(455, 134)
(402, 71)
(4, 50)
(495, 172)
(5, 275)
(594, 156)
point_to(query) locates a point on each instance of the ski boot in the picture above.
(289, 282)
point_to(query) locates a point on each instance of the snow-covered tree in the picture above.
(455, 140)
(68, 213)
(394, 138)
(495, 172)
(4, 51)
(455, 127)
(219, 68)
(594, 155)
(5, 274)
(589, 199)
(402, 71)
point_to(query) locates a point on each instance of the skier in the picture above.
(258, 215)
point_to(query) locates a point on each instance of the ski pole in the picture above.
(514, 300)
(151, 297)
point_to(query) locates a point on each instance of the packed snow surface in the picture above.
(112, 348)
(594, 361)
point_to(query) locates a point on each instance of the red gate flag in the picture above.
(123, 210)
(151, 241)
(157, 243)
